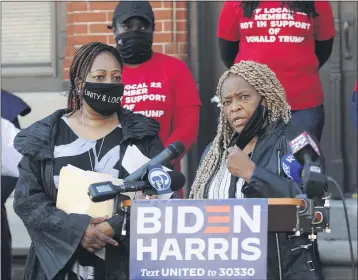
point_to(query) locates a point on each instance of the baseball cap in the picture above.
(127, 9)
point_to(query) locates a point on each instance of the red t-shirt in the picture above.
(164, 89)
(356, 88)
(283, 41)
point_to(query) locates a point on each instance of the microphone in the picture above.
(306, 152)
(159, 181)
(317, 214)
(303, 146)
(292, 168)
(173, 151)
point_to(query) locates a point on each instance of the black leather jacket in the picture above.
(56, 235)
(286, 260)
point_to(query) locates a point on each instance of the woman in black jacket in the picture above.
(255, 113)
(92, 134)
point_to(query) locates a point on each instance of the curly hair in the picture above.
(80, 67)
(267, 85)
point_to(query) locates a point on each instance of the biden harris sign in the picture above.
(198, 239)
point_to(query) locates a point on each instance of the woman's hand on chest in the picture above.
(239, 164)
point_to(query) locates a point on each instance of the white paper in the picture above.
(101, 253)
(133, 159)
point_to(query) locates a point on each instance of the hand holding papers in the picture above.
(73, 185)
(72, 194)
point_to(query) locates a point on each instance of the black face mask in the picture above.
(253, 127)
(135, 47)
(103, 98)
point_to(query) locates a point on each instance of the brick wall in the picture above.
(87, 22)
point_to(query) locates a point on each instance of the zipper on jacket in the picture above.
(277, 243)
(251, 157)
(278, 257)
(305, 246)
(252, 154)
(279, 162)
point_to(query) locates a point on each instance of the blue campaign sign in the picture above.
(198, 239)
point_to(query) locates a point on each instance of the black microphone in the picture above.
(103, 191)
(307, 153)
(173, 151)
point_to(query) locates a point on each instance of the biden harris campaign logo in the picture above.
(198, 239)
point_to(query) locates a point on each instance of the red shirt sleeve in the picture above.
(228, 26)
(356, 88)
(324, 22)
(187, 105)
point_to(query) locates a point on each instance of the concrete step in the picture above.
(338, 273)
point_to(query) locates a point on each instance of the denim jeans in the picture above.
(310, 120)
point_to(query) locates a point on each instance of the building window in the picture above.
(33, 37)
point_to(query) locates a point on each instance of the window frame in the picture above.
(47, 79)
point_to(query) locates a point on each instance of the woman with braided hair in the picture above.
(92, 134)
(243, 161)
(293, 38)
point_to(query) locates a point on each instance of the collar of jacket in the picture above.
(274, 128)
(268, 129)
(38, 139)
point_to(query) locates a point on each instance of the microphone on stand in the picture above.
(311, 176)
(318, 215)
(306, 152)
(171, 152)
(158, 181)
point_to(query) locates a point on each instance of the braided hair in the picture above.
(307, 7)
(80, 67)
(267, 85)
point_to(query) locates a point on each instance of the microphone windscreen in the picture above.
(177, 148)
(292, 168)
(302, 142)
(165, 181)
(178, 180)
